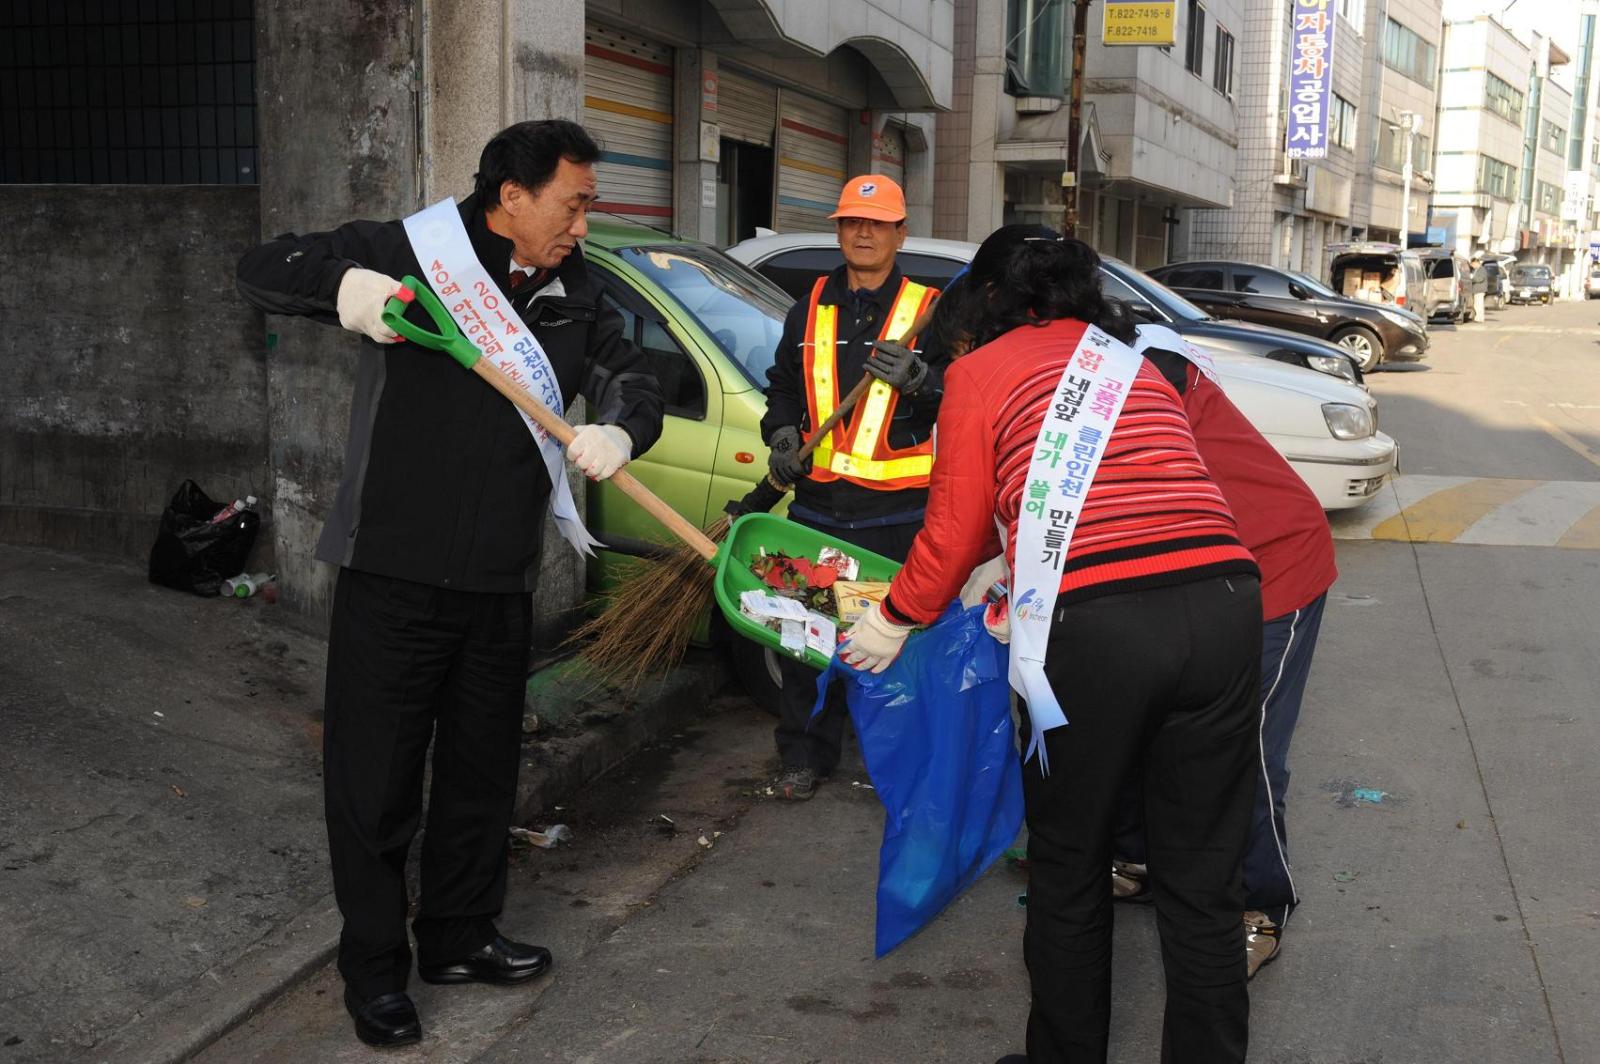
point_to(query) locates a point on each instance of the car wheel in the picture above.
(758, 671)
(1364, 343)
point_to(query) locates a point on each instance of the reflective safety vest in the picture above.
(858, 450)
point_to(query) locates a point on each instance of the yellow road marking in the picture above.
(1444, 515)
(1561, 435)
(1584, 533)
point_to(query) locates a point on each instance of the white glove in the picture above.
(874, 641)
(362, 294)
(600, 450)
(997, 619)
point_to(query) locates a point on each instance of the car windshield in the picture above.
(1126, 283)
(1531, 273)
(1316, 286)
(737, 307)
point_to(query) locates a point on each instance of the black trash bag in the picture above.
(192, 553)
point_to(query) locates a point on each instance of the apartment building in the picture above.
(1504, 124)
(1287, 209)
(1158, 125)
(1401, 93)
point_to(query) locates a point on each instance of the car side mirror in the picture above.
(1143, 311)
(1298, 292)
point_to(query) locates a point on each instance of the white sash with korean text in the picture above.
(486, 316)
(1163, 338)
(1076, 430)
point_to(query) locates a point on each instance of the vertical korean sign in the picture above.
(1310, 79)
(1131, 22)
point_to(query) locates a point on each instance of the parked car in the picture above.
(1591, 287)
(1532, 282)
(1449, 290)
(1380, 273)
(709, 327)
(793, 261)
(1269, 296)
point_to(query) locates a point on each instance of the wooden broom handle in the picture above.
(856, 394)
(546, 419)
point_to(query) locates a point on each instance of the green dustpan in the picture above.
(747, 536)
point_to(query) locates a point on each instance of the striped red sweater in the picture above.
(1152, 516)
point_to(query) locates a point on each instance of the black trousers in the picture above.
(802, 742)
(409, 663)
(1162, 682)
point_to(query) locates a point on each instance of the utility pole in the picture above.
(1069, 180)
(1409, 120)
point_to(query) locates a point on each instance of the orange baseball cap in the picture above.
(873, 196)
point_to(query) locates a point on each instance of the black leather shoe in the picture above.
(385, 1020)
(501, 962)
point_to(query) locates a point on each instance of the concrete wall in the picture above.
(129, 363)
(338, 138)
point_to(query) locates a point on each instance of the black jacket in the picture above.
(442, 481)
(860, 322)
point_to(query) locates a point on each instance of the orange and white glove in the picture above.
(600, 450)
(874, 641)
(997, 619)
(362, 294)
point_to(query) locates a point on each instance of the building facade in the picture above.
(1286, 211)
(1400, 102)
(1159, 125)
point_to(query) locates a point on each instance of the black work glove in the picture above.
(897, 366)
(784, 461)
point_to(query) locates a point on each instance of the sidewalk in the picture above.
(162, 857)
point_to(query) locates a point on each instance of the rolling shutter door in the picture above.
(627, 106)
(889, 154)
(813, 151)
(747, 109)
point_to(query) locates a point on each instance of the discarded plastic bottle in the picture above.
(245, 584)
(236, 507)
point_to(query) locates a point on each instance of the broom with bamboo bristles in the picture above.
(648, 620)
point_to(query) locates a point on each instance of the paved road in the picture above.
(1442, 810)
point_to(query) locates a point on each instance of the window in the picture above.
(1552, 137)
(1352, 11)
(1407, 53)
(1036, 48)
(1548, 198)
(128, 93)
(1194, 52)
(1222, 64)
(1342, 122)
(1254, 280)
(1392, 148)
(1496, 178)
(1207, 277)
(1502, 99)
(683, 390)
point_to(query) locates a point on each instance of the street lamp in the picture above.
(1410, 123)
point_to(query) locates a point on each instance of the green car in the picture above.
(709, 327)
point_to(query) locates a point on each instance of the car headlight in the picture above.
(1348, 422)
(1405, 321)
(1337, 365)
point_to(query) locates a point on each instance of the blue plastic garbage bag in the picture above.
(935, 731)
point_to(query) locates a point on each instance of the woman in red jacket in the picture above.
(1152, 645)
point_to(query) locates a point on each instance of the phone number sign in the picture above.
(1140, 22)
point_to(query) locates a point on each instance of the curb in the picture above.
(188, 1020)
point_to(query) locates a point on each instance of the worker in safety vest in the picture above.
(868, 483)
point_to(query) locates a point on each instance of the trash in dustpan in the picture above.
(788, 553)
(935, 731)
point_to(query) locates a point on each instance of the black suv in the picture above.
(1286, 300)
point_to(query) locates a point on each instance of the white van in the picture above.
(1379, 273)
